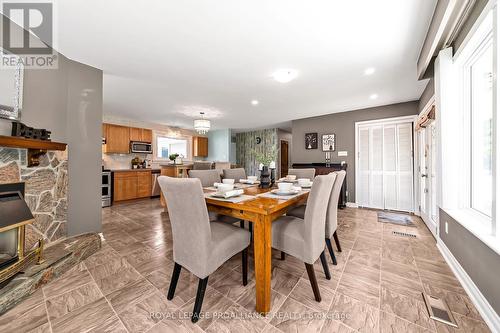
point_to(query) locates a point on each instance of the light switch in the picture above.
(342, 153)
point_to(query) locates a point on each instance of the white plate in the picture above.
(222, 196)
(307, 186)
(277, 192)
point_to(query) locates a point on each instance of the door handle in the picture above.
(423, 175)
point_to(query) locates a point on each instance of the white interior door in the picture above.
(385, 165)
(427, 176)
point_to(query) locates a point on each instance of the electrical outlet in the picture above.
(342, 153)
(446, 227)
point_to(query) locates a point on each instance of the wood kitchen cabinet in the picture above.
(117, 139)
(141, 134)
(200, 146)
(143, 184)
(130, 185)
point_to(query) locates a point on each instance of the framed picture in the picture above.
(328, 141)
(311, 141)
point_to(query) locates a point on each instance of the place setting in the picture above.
(285, 190)
(228, 191)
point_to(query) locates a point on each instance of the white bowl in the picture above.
(291, 177)
(225, 187)
(304, 181)
(228, 181)
(285, 187)
(252, 178)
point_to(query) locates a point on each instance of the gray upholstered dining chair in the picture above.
(200, 246)
(304, 238)
(207, 177)
(303, 173)
(203, 165)
(236, 174)
(331, 217)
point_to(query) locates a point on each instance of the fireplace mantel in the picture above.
(35, 147)
(17, 142)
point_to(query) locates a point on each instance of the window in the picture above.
(166, 146)
(476, 66)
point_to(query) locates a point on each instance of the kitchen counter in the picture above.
(128, 170)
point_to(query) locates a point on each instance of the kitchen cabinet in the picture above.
(130, 185)
(143, 184)
(200, 146)
(117, 139)
(141, 134)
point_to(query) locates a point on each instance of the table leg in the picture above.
(262, 253)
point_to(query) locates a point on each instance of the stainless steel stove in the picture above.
(106, 188)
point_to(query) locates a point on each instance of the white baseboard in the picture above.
(351, 204)
(483, 306)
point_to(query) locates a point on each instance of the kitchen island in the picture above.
(174, 170)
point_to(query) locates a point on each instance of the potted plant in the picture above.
(172, 157)
(266, 157)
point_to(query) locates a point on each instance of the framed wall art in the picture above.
(311, 141)
(328, 141)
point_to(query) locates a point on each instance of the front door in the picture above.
(427, 176)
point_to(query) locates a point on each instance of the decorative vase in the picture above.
(265, 177)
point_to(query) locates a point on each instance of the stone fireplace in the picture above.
(46, 187)
(16, 215)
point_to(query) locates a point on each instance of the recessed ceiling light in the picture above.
(285, 75)
(255, 102)
(369, 71)
(373, 96)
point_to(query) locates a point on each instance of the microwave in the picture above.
(141, 147)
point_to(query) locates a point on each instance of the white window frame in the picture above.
(482, 226)
(159, 134)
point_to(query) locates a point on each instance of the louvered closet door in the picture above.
(363, 183)
(405, 167)
(390, 168)
(376, 167)
(385, 166)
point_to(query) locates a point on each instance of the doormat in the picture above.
(394, 218)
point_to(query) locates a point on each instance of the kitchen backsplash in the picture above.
(121, 161)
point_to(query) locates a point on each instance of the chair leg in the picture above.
(314, 282)
(250, 228)
(242, 224)
(325, 266)
(337, 241)
(173, 281)
(244, 264)
(283, 255)
(330, 249)
(202, 286)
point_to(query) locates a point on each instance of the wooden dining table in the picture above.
(262, 211)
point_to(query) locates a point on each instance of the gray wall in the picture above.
(469, 23)
(342, 125)
(426, 95)
(68, 101)
(84, 133)
(480, 262)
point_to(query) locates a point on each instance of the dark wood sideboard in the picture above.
(322, 169)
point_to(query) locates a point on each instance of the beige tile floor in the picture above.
(376, 286)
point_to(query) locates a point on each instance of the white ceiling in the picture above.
(163, 59)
